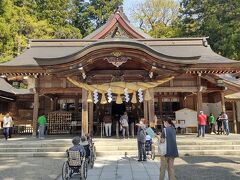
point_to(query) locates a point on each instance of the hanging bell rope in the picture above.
(103, 100)
(118, 87)
(134, 98)
(147, 96)
(89, 98)
(119, 99)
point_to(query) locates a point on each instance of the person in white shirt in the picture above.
(7, 122)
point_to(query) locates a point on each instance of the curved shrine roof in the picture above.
(119, 33)
(180, 49)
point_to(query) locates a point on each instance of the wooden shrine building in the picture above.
(75, 81)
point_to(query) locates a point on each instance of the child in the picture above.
(148, 144)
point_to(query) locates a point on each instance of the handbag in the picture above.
(162, 147)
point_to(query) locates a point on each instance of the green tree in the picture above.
(58, 13)
(157, 17)
(21, 20)
(17, 25)
(80, 17)
(100, 10)
(90, 15)
(220, 20)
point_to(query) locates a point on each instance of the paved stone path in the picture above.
(122, 168)
(126, 168)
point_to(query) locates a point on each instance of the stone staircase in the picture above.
(56, 147)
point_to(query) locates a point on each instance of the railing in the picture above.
(22, 130)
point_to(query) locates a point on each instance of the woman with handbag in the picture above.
(168, 149)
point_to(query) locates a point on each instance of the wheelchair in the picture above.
(75, 164)
(90, 154)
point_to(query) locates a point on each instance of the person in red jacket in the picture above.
(202, 118)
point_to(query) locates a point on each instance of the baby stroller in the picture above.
(76, 163)
(148, 147)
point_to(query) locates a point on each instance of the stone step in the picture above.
(208, 152)
(110, 144)
(116, 148)
(208, 147)
(120, 153)
(208, 142)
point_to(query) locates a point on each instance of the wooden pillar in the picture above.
(84, 112)
(181, 101)
(151, 110)
(199, 101)
(199, 94)
(234, 117)
(76, 104)
(90, 115)
(35, 108)
(54, 103)
(223, 101)
(160, 103)
(13, 109)
(145, 110)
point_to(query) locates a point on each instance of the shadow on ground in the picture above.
(207, 168)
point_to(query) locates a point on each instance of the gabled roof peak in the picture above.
(120, 11)
(118, 26)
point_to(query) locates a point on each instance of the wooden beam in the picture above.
(151, 107)
(84, 112)
(90, 115)
(177, 89)
(223, 108)
(117, 72)
(160, 103)
(199, 94)
(145, 110)
(199, 101)
(59, 90)
(234, 117)
(35, 108)
(76, 104)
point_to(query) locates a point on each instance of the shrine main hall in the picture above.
(117, 68)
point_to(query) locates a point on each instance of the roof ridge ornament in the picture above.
(117, 58)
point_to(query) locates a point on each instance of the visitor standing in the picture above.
(7, 121)
(11, 128)
(41, 126)
(167, 161)
(124, 124)
(211, 121)
(141, 139)
(107, 120)
(224, 118)
(201, 123)
(219, 125)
